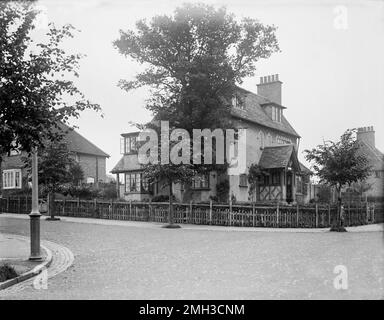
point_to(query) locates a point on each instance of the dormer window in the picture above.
(276, 114)
(237, 102)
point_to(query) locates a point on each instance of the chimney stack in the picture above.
(366, 134)
(270, 88)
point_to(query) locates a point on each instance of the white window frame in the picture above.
(10, 181)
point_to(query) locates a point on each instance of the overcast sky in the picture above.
(331, 63)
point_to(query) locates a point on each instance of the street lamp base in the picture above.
(171, 226)
(36, 258)
(52, 219)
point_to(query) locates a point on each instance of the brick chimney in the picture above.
(270, 88)
(366, 134)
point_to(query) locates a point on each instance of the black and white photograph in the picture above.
(191, 156)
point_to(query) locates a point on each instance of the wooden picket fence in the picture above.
(244, 215)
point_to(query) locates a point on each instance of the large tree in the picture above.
(339, 164)
(192, 62)
(36, 80)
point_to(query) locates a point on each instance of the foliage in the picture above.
(222, 189)
(162, 198)
(34, 79)
(193, 61)
(7, 272)
(56, 167)
(76, 173)
(339, 163)
(255, 172)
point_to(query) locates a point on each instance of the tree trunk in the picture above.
(340, 214)
(51, 206)
(170, 212)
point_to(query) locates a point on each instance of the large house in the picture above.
(91, 159)
(373, 186)
(271, 142)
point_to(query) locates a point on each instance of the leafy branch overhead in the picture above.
(37, 90)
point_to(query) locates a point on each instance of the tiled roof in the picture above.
(375, 156)
(304, 169)
(254, 112)
(127, 163)
(277, 156)
(77, 143)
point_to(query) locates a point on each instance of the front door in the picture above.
(289, 197)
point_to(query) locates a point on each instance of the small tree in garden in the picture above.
(254, 174)
(57, 170)
(169, 174)
(339, 164)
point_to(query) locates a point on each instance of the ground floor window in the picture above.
(243, 180)
(135, 182)
(12, 179)
(200, 181)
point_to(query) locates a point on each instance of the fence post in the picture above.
(230, 212)
(277, 215)
(190, 211)
(210, 212)
(130, 209)
(19, 205)
(316, 215)
(329, 214)
(78, 206)
(95, 207)
(366, 213)
(297, 215)
(112, 206)
(149, 209)
(253, 213)
(7, 204)
(63, 213)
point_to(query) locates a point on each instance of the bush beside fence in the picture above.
(277, 216)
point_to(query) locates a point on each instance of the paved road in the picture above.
(127, 262)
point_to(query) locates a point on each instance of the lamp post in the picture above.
(35, 214)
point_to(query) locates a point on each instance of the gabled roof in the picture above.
(278, 157)
(254, 112)
(127, 163)
(77, 143)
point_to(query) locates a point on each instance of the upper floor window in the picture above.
(379, 173)
(128, 144)
(12, 179)
(283, 140)
(276, 114)
(237, 102)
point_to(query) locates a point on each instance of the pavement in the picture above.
(14, 251)
(131, 260)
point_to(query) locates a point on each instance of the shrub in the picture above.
(7, 272)
(162, 198)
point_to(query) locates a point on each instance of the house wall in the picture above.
(257, 136)
(93, 166)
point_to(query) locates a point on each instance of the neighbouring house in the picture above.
(271, 142)
(91, 159)
(373, 186)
